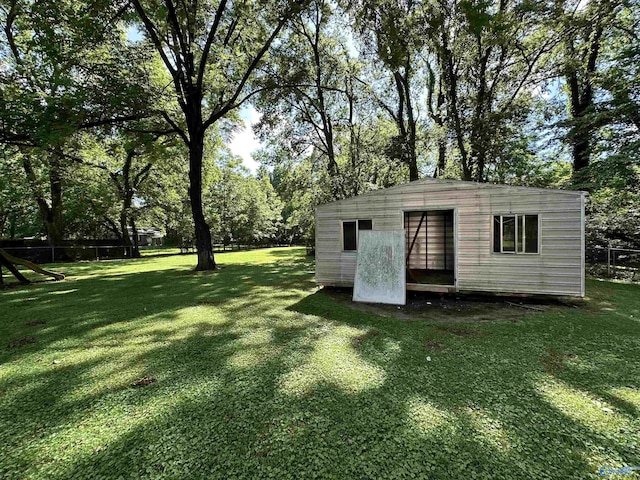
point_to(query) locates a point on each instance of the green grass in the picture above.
(260, 375)
(155, 251)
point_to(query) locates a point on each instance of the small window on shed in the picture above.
(530, 231)
(365, 224)
(509, 234)
(497, 227)
(349, 236)
(350, 232)
(515, 234)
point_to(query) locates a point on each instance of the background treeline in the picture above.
(117, 113)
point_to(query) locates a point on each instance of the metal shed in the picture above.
(463, 237)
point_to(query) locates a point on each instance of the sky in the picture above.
(244, 142)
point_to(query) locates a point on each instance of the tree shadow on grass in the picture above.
(500, 370)
(256, 377)
(105, 300)
(248, 419)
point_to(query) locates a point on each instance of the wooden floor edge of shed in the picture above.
(418, 287)
(424, 287)
(452, 289)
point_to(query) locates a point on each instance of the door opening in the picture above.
(430, 249)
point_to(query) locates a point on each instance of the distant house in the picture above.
(463, 236)
(147, 236)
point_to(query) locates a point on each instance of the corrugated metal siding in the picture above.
(556, 270)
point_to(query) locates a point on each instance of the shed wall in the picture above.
(556, 270)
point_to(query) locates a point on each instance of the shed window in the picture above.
(350, 231)
(515, 234)
(365, 224)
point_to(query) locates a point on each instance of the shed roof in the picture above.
(459, 184)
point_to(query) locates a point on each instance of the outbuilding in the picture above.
(463, 237)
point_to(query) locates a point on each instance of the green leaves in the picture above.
(243, 209)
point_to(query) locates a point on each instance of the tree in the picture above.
(210, 53)
(58, 81)
(390, 30)
(584, 32)
(128, 157)
(18, 215)
(611, 125)
(436, 107)
(308, 96)
(300, 192)
(489, 55)
(246, 209)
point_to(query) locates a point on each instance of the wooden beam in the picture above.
(425, 287)
(4, 261)
(415, 237)
(9, 260)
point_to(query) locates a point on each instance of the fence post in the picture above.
(613, 261)
(97, 255)
(608, 262)
(53, 254)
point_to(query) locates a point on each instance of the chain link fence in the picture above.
(623, 264)
(613, 262)
(69, 253)
(42, 254)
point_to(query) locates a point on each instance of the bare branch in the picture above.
(175, 126)
(245, 78)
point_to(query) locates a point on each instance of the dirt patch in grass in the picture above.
(432, 345)
(356, 341)
(555, 361)
(35, 323)
(451, 308)
(143, 382)
(202, 272)
(21, 342)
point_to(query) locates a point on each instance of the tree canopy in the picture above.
(115, 114)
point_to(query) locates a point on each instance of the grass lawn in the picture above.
(155, 251)
(144, 368)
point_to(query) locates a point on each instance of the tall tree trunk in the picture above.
(481, 159)
(442, 139)
(580, 101)
(127, 197)
(50, 212)
(12, 226)
(451, 80)
(327, 124)
(406, 130)
(206, 259)
(437, 115)
(134, 235)
(581, 96)
(442, 157)
(130, 246)
(580, 152)
(57, 221)
(478, 139)
(414, 174)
